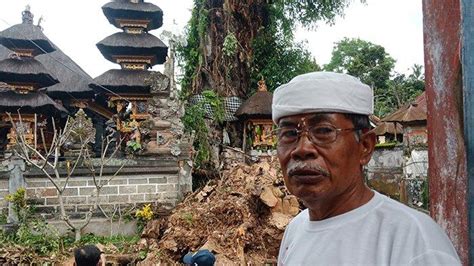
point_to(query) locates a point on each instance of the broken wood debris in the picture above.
(240, 217)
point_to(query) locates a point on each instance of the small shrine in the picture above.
(412, 117)
(24, 76)
(256, 114)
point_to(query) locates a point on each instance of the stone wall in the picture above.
(121, 191)
(385, 171)
(399, 175)
(4, 176)
(160, 182)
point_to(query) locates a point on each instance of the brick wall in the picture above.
(162, 183)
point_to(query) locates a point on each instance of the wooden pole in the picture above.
(447, 151)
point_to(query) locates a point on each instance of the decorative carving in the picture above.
(82, 128)
(23, 89)
(19, 53)
(132, 23)
(24, 125)
(260, 131)
(158, 83)
(262, 86)
(134, 66)
(133, 30)
(133, 59)
(175, 150)
(27, 16)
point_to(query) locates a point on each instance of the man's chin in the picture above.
(309, 195)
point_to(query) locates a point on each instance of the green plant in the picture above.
(3, 216)
(386, 145)
(217, 104)
(133, 146)
(194, 121)
(39, 236)
(425, 194)
(142, 254)
(188, 218)
(229, 47)
(123, 243)
(32, 232)
(20, 205)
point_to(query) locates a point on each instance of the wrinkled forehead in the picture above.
(310, 119)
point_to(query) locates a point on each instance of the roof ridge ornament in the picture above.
(27, 16)
(261, 85)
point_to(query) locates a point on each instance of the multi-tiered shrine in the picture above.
(23, 77)
(129, 89)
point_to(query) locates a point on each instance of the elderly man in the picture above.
(323, 142)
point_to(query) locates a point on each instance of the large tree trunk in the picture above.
(228, 75)
(227, 29)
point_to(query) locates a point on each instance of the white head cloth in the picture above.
(322, 92)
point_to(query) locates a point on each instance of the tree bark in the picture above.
(224, 74)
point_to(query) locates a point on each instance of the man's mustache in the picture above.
(305, 166)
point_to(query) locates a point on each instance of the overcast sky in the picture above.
(76, 26)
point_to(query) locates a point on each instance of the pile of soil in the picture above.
(240, 217)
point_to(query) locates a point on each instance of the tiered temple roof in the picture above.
(123, 13)
(23, 74)
(134, 48)
(72, 81)
(26, 36)
(120, 46)
(136, 51)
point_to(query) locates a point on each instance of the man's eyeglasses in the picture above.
(318, 134)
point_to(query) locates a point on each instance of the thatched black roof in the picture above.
(125, 44)
(26, 36)
(123, 81)
(73, 80)
(27, 70)
(258, 105)
(34, 102)
(124, 9)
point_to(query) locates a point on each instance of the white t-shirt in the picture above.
(381, 232)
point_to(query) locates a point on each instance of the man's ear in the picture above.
(367, 142)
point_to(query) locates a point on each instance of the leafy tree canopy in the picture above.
(307, 13)
(362, 59)
(374, 66)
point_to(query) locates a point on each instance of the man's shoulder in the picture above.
(401, 213)
(412, 222)
(411, 226)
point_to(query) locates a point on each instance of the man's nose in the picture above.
(305, 148)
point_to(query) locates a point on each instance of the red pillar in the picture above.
(447, 152)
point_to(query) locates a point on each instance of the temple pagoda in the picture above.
(23, 78)
(136, 51)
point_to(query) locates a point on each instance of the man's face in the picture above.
(320, 173)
